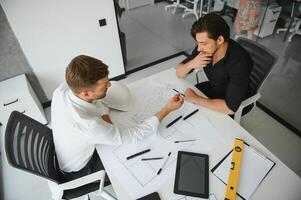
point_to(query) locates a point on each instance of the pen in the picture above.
(164, 163)
(138, 154)
(174, 121)
(179, 92)
(189, 115)
(179, 141)
(158, 158)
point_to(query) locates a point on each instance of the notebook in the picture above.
(254, 168)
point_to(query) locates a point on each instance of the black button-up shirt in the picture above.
(229, 78)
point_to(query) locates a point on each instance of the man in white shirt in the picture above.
(80, 122)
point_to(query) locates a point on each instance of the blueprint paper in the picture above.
(140, 177)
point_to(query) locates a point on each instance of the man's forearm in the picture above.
(215, 104)
(161, 114)
(183, 69)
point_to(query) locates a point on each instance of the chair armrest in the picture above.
(99, 175)
(197, 71)
(248, 101)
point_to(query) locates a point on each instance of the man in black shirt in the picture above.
(226, 64)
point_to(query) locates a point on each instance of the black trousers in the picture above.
(205, 88)
(92, 166)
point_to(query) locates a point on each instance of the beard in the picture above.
(217, 47)
(101, 96)
(213, 50)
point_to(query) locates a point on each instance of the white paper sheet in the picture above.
(140, 177)
(254, 167)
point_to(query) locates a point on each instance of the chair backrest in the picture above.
(263, 61)
(29, 146)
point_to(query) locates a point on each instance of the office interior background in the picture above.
(153, 33)
(149, 34)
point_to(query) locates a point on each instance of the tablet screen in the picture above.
(192, 175)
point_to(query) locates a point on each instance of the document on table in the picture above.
(149, 101)
(140, 177)
(254, 168)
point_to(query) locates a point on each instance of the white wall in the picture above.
(52, 32)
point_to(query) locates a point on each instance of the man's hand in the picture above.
(191, 96)
(107, 118)
(173, 104)
(201, 60)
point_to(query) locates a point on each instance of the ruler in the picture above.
(233, 177)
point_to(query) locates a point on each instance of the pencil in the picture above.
(179, 141)
(138, 154)
(164, 164)
(189, 115)
(157, 158)
(179, 92)
(174, 121)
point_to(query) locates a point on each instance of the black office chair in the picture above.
(264, 60)
(29, 146)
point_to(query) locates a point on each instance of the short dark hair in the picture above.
(213, 24)
(84, 71)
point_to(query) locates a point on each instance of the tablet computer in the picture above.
(152, 196)
(192, 174)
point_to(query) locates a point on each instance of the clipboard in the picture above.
(254, 168)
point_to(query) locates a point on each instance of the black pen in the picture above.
(179, 92)
(174, 121)
(158, 158)
(164, 164)
(189, 115)
(138, 154)
(179, 141)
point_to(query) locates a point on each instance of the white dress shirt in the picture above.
(78, 127)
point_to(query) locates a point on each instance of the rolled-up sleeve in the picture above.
(101, 132)
(238, 85)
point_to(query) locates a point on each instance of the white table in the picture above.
(281, 182)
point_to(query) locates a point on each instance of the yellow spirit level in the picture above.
(234, 170)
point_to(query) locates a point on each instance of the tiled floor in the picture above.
(281, 92)
(274, 136)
